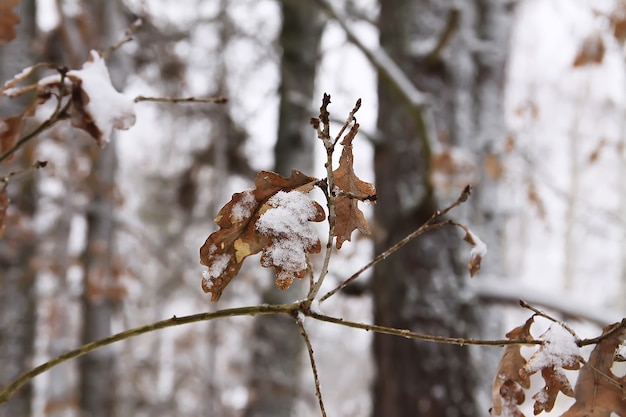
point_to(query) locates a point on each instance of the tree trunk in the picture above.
(97, 370)
(278, 344)
(18, 248)
(421, 287)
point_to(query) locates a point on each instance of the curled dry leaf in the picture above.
(508, 386)
(240, 234)
(478, 252)
(352, 189)
(599, 392)
(8, 20)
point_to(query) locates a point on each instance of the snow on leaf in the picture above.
(477, 253)
(559, 351)
(95, 106)
(352, 189)
(225, 250)
(291, 236)
(8, 20)
(599, 392)
(508, 386)
(98, 107)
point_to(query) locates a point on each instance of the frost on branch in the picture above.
(352, 189)
(8, 20)
(94, 105)
(272, 218)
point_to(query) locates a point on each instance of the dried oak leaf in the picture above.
(8, 20)
(352, 189)
(80, 117)
(598, 392)
(238, 237)
(477, 253)
(559, 351)
(507, 392)
(11, 128)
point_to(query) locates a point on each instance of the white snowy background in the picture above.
(566, 240)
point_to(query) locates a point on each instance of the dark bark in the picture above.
(18, 248)
(421, 287)
(278, 344)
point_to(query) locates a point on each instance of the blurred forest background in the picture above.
(523, 99)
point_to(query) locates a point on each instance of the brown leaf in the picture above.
(225, 250)
(349, 216)
(479, 250)
(595, 154)
(535, 200)
(556, 382)
(493, 166)
(598, 392)
(591, 51)
(507, 392)
(559, 351)
(4, 206)
(618, 23)
(81, 118)
(11, 128)
(8, 20)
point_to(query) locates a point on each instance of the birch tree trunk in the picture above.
(456, 52)
(18, 248)
(278, 344)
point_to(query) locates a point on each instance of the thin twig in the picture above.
(128, 36)
(323, 133)
(33, 167)
(421, 336)
(429, 225)
(57, 115)
(349, 120)
(218, 100)
(609, 333)
(547, 316)
(309, 348)
(127, 334)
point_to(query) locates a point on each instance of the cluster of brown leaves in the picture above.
(8, 20)
(225, 250)
(598, 392)
(240, 236)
